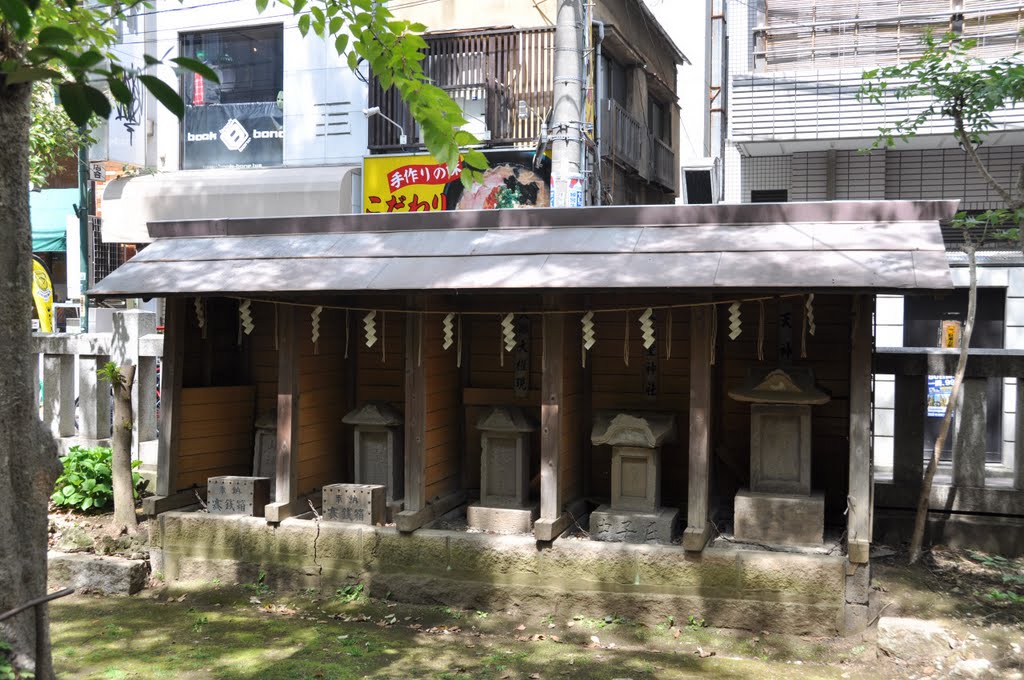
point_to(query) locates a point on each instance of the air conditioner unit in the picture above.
(702, 181)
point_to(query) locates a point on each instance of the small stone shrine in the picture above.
(504, 505)
(379, 450)
(635, 514)
(232, 495)
(357, 503)
(779, 506)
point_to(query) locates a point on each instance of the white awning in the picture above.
(130, 203)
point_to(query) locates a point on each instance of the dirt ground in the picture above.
(220, 630)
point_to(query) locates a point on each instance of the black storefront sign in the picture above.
(233, 135)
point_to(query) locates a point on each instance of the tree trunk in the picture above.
(921, 518)
(28, 458)
(121, 459)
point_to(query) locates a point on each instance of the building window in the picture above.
(240, 121)
(769, 195)
(659, 120)
(614, 85)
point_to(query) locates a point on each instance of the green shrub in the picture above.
(86, 483)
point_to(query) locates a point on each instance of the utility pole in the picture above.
(84, 210)
(568, 179)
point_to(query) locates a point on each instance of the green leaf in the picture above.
(341, 43)
(334, 26)
(261, 5)
(98, 101)
(151, 60)
(87, 503)
(475, 159)
(24, 75)
(16, 14)
(119, 90)
(89, 484)
(55, 35)
(164, 94)
(197, 66)
(304, 25)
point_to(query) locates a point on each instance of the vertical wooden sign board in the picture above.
(521, 357)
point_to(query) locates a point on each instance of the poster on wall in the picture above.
(418, 183)
(233, 136)
(939, 389)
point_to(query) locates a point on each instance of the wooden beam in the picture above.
(1018, 440)
(859, 513)
(287, 476)
(550, 529)
(155, 505)
(411, 520)
(698, 528)
(551, 416)
(281, 510)
(170, 397)
(415, 416)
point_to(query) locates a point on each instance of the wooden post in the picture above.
(1018, 439)
(908, 438)
(859, 510)
(698, 528)
(170, 397)
(553, 520)
(415, 415)
(287, 472)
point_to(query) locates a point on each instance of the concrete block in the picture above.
(358, 503)
(583, 564)
(819, 578)
(624, 526)
(235, 495)
(858, 584)
(710, 571)
(855, 619)
(502, 520)
(89, 573)
(390, 550)
(779, 519)
(494, 558)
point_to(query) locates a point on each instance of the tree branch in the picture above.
(968, 145)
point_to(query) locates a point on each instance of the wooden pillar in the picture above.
(1018, 439)
(170, 396)
(698, 528)
(553, 519)
(287, 471)
(168, 496)
(969, 434)
(415, 415)
(908, 436)
(859, 510)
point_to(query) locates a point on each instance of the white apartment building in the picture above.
(796, 131)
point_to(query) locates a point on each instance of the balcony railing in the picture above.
(502, 78)
(623, 136)
(663, 162)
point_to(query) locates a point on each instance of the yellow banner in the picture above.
(42, 293)
(418, 183)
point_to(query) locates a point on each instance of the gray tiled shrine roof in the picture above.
(854, 245)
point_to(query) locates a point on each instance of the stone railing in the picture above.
(967, 489)
(70, 361)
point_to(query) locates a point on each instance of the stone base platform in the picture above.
(392, 508)
(628, 526)
(502, 520)
(779, 518)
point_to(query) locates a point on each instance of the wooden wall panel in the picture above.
(379, 377)
(442, 446)
(324, 448)
(570, 462)
(618, 387)
(216, 433)
(263, 356)
(828, 354)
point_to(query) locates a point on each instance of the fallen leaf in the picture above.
(555, 638)
(703, 654)
(181, 599)
(535, 676)
(571, 624)
(551, 625)
(596, 640)
(676, 633)
(521, 627)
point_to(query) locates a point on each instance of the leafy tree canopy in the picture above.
(69, 45)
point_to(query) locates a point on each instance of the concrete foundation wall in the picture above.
(729, 588)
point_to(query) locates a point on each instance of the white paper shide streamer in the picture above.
(647, 327)
(509, 332)
(370, 326)
(809, 312)
(449, 330)
(245, 316)
(200, 306)
(735, 323)
(587, 322)
(314, 318)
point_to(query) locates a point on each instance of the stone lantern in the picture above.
(635, 514)
(504, 505)
(379, 449)
(779, 506)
